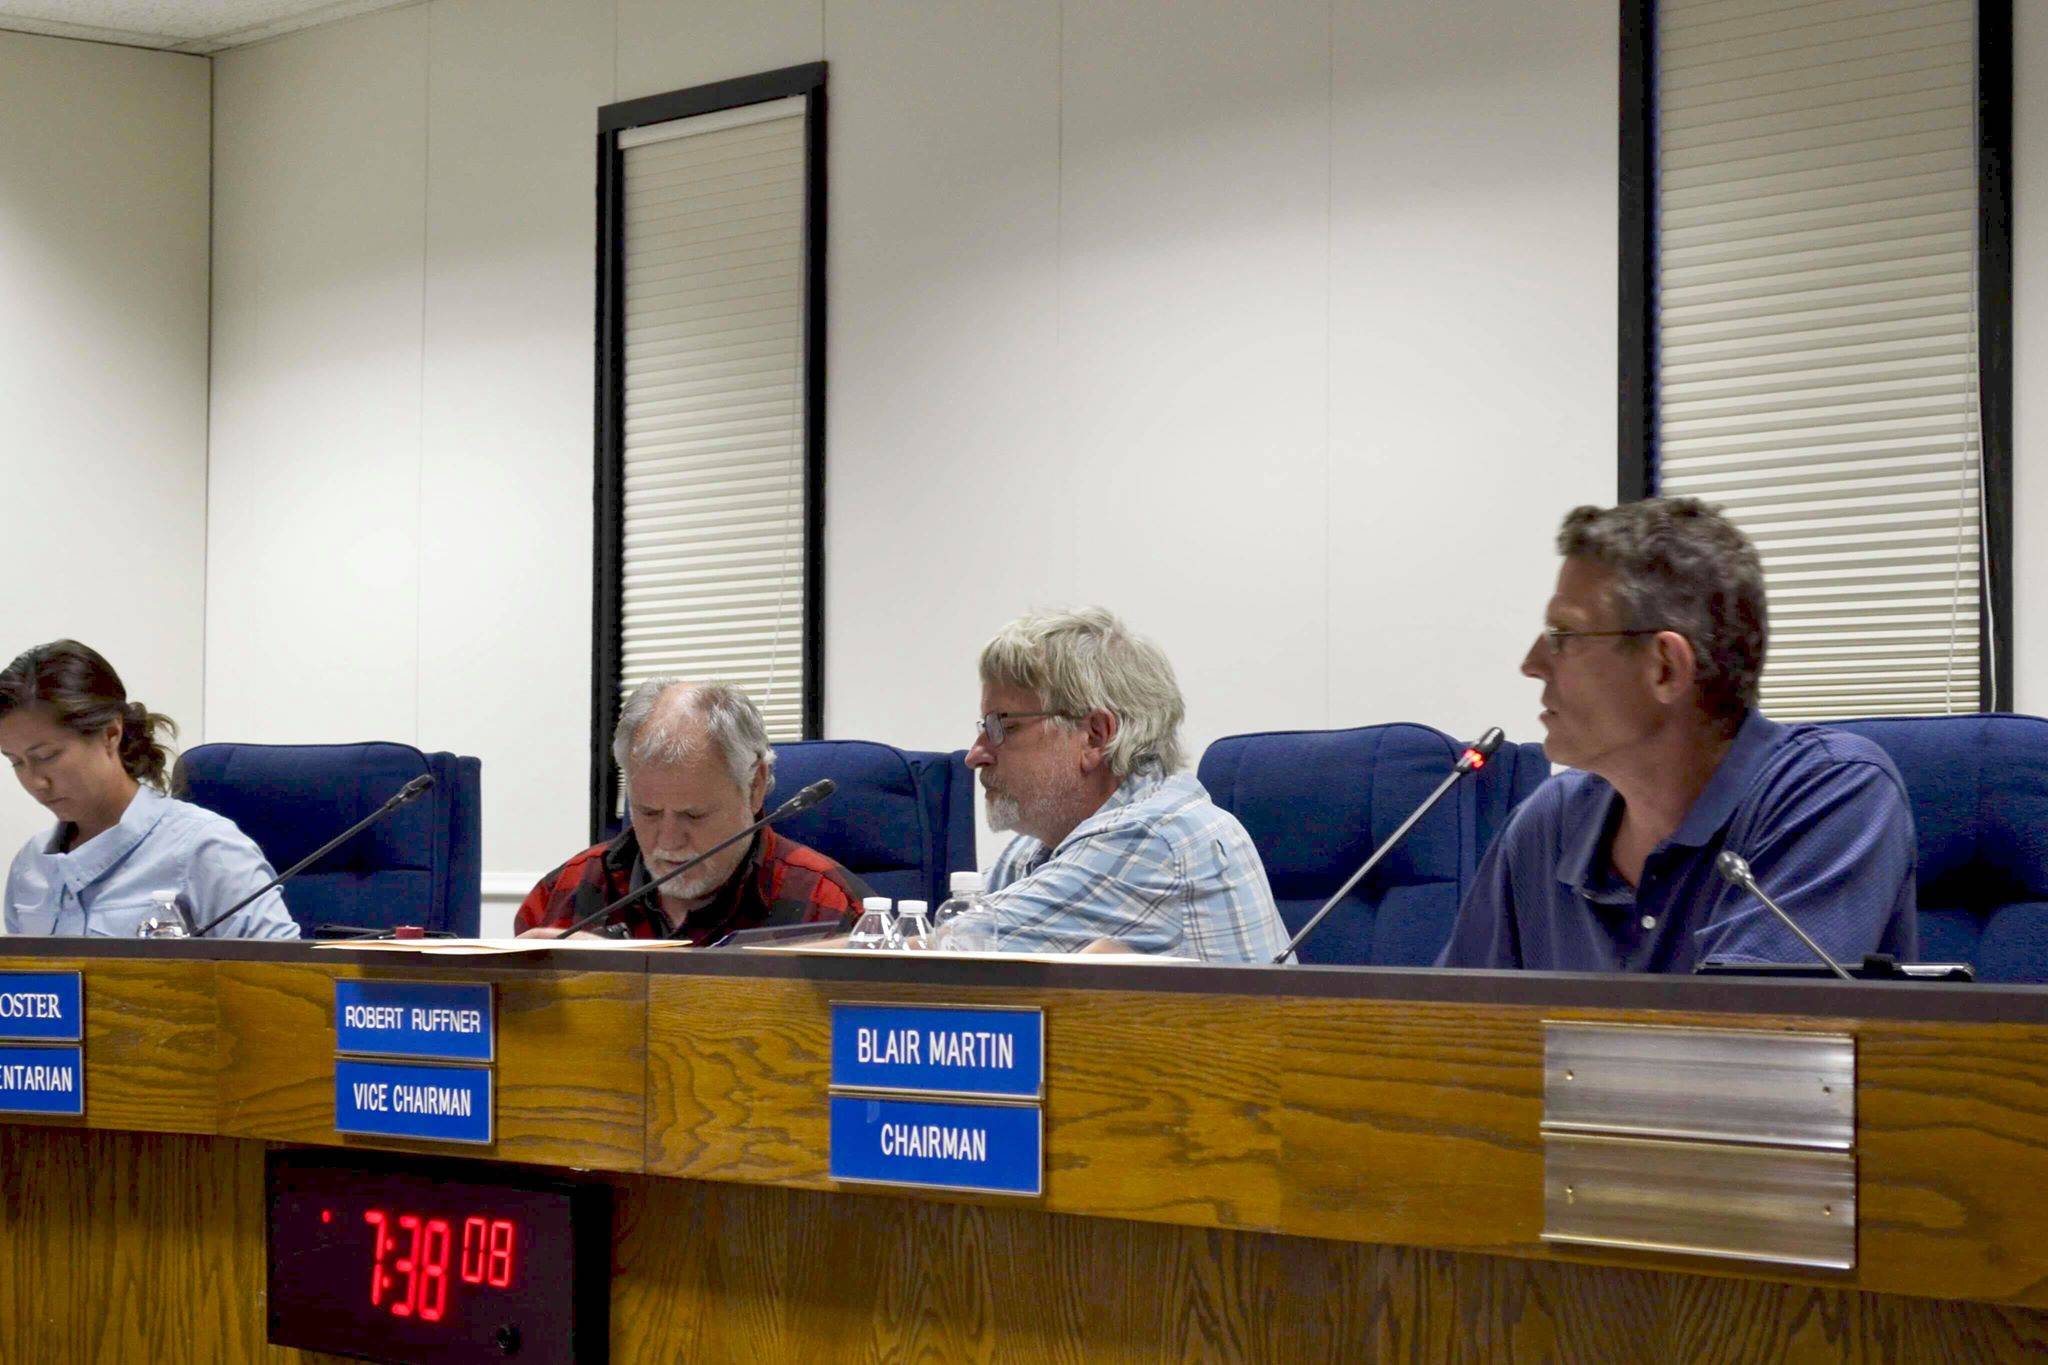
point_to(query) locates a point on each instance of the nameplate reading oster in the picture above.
(979, 1052)
(42, 1080)
(431, 1103)
(41, 1007)
(938, 1144)
(429, 1020)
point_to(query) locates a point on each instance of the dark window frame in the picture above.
(608, 494)
(1636, 471)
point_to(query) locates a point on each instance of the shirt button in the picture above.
(1649, 921)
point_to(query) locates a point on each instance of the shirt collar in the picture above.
(92, 859)
(1583, 862)
(1715, 806)
(1135, 787)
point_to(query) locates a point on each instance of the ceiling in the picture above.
(179, 25)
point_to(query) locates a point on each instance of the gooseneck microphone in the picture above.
(411, 791)
(802, 801)
(1472, 760)
(1734, 869)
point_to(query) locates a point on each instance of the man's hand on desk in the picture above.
(1109, 945)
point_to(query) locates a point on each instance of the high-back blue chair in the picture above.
(1978, 788)
(422, 864)
(902, 821)
(1318, 802)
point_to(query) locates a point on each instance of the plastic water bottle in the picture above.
(165, 919)
(913, 927)
(966, 888)
(873, 928)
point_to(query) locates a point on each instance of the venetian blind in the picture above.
(1817, 369)
(713, 535)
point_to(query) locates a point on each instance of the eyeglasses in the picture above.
(1558, 636)
(995, 725)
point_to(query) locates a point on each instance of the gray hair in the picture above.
(1681, 565)
(655, 727)
(1087, 660)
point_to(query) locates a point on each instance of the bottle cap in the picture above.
(964, 881)
(876, 903)
(912, 907)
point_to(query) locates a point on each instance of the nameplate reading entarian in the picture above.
(938, 1144)
(42, 1080)
(429, 1020)
(982, 1053)
(430, 1103)
(41, 1007)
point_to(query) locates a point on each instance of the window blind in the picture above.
(1817, 369)
(713, 532)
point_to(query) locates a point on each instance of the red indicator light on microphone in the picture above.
(327, 1215)
(1474, 759)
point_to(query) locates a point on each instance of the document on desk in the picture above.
(474, 947)
(1147, 959)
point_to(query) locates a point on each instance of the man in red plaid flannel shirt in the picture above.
(697, 765)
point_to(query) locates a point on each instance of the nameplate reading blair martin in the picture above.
(41, 1007)
(938, 1144)
(434, 1021)
(42, 1080)
(429, 1103)
(975, 1052)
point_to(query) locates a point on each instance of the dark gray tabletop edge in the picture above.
(1922, 1001)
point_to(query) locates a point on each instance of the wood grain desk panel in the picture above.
(1152, 1110)
(571, 1069)
(149, 1043)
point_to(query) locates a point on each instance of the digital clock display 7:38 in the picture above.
(413, 1260)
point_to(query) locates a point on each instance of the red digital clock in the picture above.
(407, 1260)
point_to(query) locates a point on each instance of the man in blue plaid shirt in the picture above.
(1079, 753)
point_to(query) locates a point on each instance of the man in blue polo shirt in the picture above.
(1649, 662)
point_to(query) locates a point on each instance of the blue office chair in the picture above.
(1317, 802)
(423, 864)
(1978, 788)
(902, 821)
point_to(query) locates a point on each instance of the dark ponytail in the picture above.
(85, 695)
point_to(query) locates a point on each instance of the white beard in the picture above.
(1003, 813)
(693, 886)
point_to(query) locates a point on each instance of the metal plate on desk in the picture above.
(1726, 1085)
(1789, 1205)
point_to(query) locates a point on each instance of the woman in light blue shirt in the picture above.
(91, 757)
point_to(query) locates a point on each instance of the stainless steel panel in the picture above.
(1785, 1205)
(1723, 1085)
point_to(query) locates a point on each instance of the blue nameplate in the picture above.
(938, 1145)
(41, 1007)
(432, 1103)
(431, 1020)
(42, 1080)
(939, 1050)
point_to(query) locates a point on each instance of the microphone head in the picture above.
(1733, 867)
(810, 796)
(1480, 750)
(415, 787)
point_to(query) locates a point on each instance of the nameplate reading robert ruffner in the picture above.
(436, 1021)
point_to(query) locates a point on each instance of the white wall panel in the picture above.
(505, 527)
(313, 545)
(2030, 358)
(1193, 332)
(1473, 354)
(951, 493)
(668, 45)
(103, 213)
